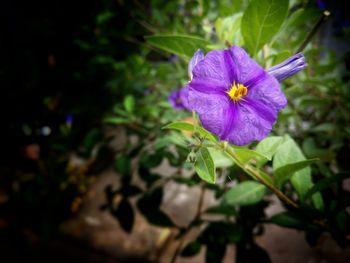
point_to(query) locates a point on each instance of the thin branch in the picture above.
(314, 30)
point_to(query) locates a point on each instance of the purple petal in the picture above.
(213, 68)
(179, 98)
(198, 56)
(289, 67)
(208, 87)
(248, 121)
(266, 89)
(230, 66)
(210, 108)
(247, 69)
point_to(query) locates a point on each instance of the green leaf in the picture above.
(185, 126)
(204, 166)
(221, 210)
(246, 193)
(269, 146)
(261, 21)
(191, 249)
(149, 205)
(325, 183)
(181, 45)
(288, 153)
(122, 165)
(220, 158)
(284, 173)
(115, 120)
(246, 155)
(325, 127)
(125, 215)
(229, 29)
(129, 103)
(290, 220)
(182, 126)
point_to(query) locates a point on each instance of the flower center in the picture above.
(237, 92)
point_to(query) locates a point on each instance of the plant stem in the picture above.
(256, 175)
(314, 30)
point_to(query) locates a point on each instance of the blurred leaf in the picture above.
(104, 17)
(91, 139)
(221, 210)
(291, 220)
(269, 146)
(228, 29)
(205, 166)
(326, 182)
(149, 206)
(125, 215)
(188, 181)
(151, 160)
(130, 190)
(122, 165)
(221, 233)
(325, 127)
(312, 151)
(191, 249)
(283, 173)
(261, 21)
(185, 126)
(147, 176)
(115, 120)
(181, 45)
(229, 7)
(129, 103)
(215, 252)
(245, 193)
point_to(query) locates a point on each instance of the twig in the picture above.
(316, 27)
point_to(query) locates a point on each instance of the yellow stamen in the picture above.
(237, 92)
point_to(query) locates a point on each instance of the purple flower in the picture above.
(179, 98)
(289, 67)
(234, 97)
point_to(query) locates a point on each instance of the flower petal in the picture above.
(266, 89)
(289, 67)
(210, 108)
(198, 56)
(248, 121)
(247, 69)
(208, 87)
(213, 68)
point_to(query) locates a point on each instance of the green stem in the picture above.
(253, 172)
(314, 30)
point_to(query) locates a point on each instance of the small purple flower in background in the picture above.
(198, 56)
(236, 98)
(69, 120)
(289, 67)
(179, 98)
